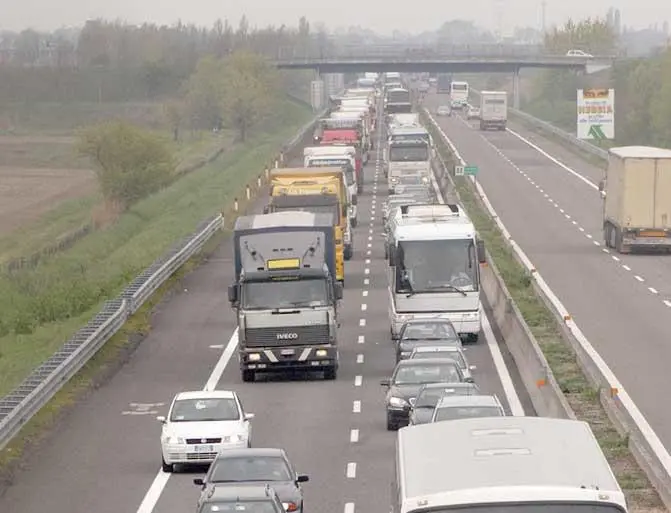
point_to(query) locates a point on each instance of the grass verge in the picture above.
(581, 395)
(41, 308)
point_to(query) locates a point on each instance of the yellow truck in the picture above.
(315, 185)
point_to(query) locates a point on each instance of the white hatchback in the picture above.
(200, 424)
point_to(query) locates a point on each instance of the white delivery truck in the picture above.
(493, 110)
(637, 199)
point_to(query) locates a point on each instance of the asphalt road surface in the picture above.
(548, 199)
(105, 457)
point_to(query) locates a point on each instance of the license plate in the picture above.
(204, 448)
(287, 352)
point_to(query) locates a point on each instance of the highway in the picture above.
(548, 199)
(105, 456)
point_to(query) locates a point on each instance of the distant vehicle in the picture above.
(241, 499)
(408, 378)
(578, 53)
(445, 351)
(472, 112)
(200, 424)
(444, 110)
(467, 407)
(270, 467)
(426, 332)
(429, 395)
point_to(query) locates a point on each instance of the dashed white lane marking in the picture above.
(554, 203)
(370, 245)
(361, 339)
(370, 238)
(351, 470)
(358, 381)
(354, 436)
(362, 322)
(366, 270)
(364, 293)
(366, 281)
(356, 407)
(364, 307)
(349, 507)
(359, 358)
(368, 252)
(367, 262)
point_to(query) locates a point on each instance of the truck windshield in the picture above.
(532, 507)
(409, 153)
(410, 137)
(437, 266)
(398, 97)
(271, 294)
(315, 209)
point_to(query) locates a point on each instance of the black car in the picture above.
(429, 395)
(254, 467)
(434, 332)
(408, 378)
(240, 499)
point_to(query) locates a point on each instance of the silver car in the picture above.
(467, 407)
(444, 110)
(445, 351)
(429, 395)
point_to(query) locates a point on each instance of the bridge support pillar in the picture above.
(516, 89)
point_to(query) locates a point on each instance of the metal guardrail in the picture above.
(18, 407)
(544, 126)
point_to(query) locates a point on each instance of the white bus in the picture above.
(503, 465)
(458, 94)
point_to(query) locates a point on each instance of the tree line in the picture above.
(111, 61)
(642, 86)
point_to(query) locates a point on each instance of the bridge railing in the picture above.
(419, 53)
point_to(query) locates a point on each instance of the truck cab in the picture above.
(408, 159)
(285, 293)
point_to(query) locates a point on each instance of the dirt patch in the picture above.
(27, 193)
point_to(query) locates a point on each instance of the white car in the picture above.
(200, 424)
(578, 53)
(472, 112)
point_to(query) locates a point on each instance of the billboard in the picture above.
(596, 114)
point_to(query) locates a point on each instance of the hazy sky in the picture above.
(378, 15)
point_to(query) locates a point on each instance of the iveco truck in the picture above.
(285, 293)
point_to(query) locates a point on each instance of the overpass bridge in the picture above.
(489, 58)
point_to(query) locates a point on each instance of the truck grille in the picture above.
(287, 336)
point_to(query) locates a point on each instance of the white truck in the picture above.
(493, 110)
(434, 268)
(637, 199)
(408, 157)
(503, 465)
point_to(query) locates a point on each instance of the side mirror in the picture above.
(199, 481)
(385, 382)
(469, 380)
(161, 419)
(233, 293)
(472, 367)
(302, 478)
(338, 291)
(249, 416)
(266, 209)
(412, 401)
(482, 254)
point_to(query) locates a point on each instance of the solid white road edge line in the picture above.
(624, 398)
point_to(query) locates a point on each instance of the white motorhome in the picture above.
(338, 156)
(503, 465)
(434, 268)
(458, 94)
(493, 110)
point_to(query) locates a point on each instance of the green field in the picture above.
(41, 308)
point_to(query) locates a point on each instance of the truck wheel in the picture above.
(330, 373)
(608, 235)
(348, 253)
(391, 425)
(248, 376)
(168, 468)
(354, 222)
(472, 338)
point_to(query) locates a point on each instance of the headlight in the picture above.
(398, 402)
(254, 357)
(173, 440)
(234, 438)
(425, 179)
(394, 180)
(321, 353)
(470, 315)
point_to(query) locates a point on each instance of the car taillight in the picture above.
(290, 506)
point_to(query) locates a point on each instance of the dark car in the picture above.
(240, 499)
(254, 467)
(408, 378)
(434, 332)
(429, 395)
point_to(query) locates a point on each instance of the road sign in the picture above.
(459, 170)
(596, 114)
(471, 170)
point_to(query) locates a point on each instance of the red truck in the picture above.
(343, 132)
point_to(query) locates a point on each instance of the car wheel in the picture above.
(354, 222)
(330, 373)
(166, 467)
(247, 376)
(391, 425)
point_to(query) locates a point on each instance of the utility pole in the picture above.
(543, 6)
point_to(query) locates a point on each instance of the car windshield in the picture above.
(442, 353)
(429, 397)
(429, 331)
(466, 412)
(249, 468)
(429, 373)
(239, 507)
(204, 410)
